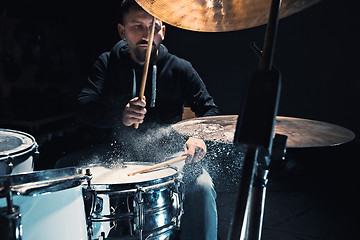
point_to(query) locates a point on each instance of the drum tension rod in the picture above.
(10, 222)
(140, 209)
(89, 201)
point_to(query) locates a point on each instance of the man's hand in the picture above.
(134, 112)
(195, 149)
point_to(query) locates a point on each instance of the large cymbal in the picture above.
(219, 15)
(301, 132)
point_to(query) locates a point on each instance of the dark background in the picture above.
(317, 54)
(48, 47)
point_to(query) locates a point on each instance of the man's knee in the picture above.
(203, 186)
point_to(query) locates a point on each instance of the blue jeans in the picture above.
(199, 221)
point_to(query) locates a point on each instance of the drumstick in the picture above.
(146, 65)
(159, 165)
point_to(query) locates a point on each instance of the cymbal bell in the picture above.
(301, 132)
(219, 15)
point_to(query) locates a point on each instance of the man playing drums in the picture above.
(109, 101)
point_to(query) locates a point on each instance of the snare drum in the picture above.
(17, 152)
(48, 205)
(143, 206)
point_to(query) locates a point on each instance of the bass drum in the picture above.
(43, 205)
(143, 206)
(18, 151)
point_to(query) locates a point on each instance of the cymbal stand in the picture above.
(254, 130)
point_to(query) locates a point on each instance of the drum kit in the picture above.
(91, 202)
(105, 202)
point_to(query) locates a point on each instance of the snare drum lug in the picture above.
(179, 198)
(90, 201)
(139, 202)
(9, 165)
(179, 186)
(176, 185)
(90, 196)
(36, 154)
(88, 177)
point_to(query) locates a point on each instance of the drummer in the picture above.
(109, 101)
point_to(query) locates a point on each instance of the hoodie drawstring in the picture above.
(134, 84)
(153, 92)
(153, 85)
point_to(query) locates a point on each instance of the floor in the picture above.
(313, 194)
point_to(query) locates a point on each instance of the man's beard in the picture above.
(140, 54)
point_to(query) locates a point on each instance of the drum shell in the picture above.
(118, 208)
(50, 213)
(19, 158)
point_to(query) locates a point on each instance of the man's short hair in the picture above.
(124, 9)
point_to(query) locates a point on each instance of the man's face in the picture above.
(136, 31)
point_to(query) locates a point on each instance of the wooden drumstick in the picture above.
(159, 165)
(146, 65)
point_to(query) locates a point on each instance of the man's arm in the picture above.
(95, 105)
(197, 96)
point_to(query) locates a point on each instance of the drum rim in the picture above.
(111, 187)
(164, 231)
(21, 150)
(42, 182)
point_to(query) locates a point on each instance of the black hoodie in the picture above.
(111, 81)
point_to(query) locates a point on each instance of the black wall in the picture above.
(316, 52)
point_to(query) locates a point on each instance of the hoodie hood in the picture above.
(120, 53)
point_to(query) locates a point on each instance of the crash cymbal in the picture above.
(219, 15)
(301, 132)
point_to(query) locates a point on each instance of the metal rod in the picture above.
(239, 221)
(257, 205)
(9, 198)
(270, 36)
(248, 217)
(258, 52)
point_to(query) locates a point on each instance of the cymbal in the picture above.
(301, 132)
(219, 15)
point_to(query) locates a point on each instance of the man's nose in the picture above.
(146, 33)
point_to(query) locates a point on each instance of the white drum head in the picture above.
(14, 141)
(119, 174)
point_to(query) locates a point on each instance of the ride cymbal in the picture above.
(219, 15)
(301, 132)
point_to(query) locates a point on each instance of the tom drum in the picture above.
(43, 205)
(17, 152)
